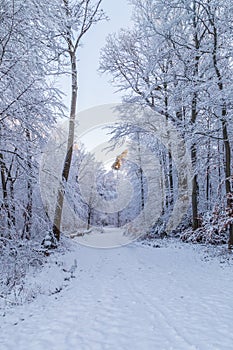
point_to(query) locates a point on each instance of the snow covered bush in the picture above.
(214, 229)
(17, 258)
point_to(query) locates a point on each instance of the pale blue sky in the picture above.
(94, 89)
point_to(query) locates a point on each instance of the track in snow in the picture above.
(135, 297)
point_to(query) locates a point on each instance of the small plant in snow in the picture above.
(49, 242)
(214, 228)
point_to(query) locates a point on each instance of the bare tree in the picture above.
(80, 17)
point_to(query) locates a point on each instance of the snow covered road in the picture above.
(135, 297)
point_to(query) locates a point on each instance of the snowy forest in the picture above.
(176, 59)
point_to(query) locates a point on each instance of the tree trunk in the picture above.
(28, 208)
(5, 204)
(8, 204)
(195, 218)
(208, 184)
(69, 152)
(194, 113)
(89, 218)
(170, 199)
(227, 146)
(228, 178)
(142, 199)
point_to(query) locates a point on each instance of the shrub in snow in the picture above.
(214, 229)
(49, 242)
(158, 230)
(17, 257)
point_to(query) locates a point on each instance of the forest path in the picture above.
(135, 297)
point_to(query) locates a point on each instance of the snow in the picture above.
(164, 296)
(107, 238)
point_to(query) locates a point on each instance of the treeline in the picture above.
(39, 42)
(177, 60)
(36, 49)
(29, 57)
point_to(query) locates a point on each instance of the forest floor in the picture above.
(147, 295)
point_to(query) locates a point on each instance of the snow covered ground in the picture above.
(107, 238)
(137, 297)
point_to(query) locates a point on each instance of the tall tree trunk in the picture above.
(194, 113)
(142, 199)
(228, 180)
(195, 189)
(28, 208)
(69, 151)
(195, 219)
(170, 199)
(227, 146)
(208, 184)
